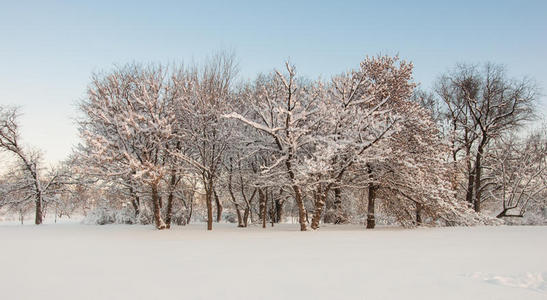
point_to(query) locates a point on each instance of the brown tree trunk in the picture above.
(371, 221)
(262, 206)
(156, 206)
(470, 185)
(320, 198)
(136, 204)
(418, 214)
(219, 206)
(478, 171)
(340, 218)
(38, 218)
(278, 210)
(239, 217)
(169, 211)
(302, 215)
(208, 196)
(246, 217)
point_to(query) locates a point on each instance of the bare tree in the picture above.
(519, 171)
(32, 183)
(482, 104)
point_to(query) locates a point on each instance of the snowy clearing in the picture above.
(73, 261)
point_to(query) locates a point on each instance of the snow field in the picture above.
(73, 261)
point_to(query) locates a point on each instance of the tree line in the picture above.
(168, 143)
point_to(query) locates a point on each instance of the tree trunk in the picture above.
(246, 217)
(209, 203)
(136, 204)
(156, 205)
(38, 218)
(169, 211)
(320, 199)
(371, 221)
(478, 171)
(278, 210)
(339, 217)
(219, 206)
(239, 217)
(470, 186)
(262, 205)
(418, 214)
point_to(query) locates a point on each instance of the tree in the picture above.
(280, 110)
(127, 127)
(482, 104)
(204, 96)
(518, 167)
(29, 184)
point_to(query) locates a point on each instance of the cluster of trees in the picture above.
(170, 142)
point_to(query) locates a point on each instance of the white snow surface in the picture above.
(74, 261)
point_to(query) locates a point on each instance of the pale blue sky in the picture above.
(48, 49)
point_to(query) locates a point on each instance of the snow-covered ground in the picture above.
(73, 261)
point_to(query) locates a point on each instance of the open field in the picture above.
(73, 261)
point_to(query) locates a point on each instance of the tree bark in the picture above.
(156, 206)
(320, 199)
(218, 205)
(339, 218)
(246, 217)
(169, 211)
(262, 204)
(278, 210)
(418, 214)
(39, 214)
(302, 215)
(371, 221)
(478, 171)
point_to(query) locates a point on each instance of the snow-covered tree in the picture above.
(127, 126)
(31, 182)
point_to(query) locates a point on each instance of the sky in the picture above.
(49, 49)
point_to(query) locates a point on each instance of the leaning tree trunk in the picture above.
(156, 206)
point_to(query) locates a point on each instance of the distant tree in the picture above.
(482, 104)
(518, 168)
(29, 182)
